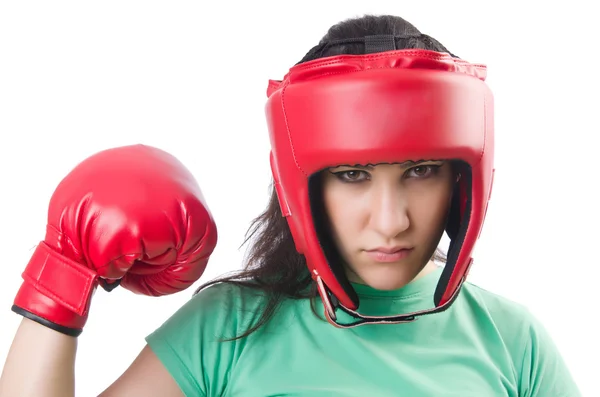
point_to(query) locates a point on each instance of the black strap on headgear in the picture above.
(372, 43)
(380, 43)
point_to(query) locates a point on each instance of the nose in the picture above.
(389, 211)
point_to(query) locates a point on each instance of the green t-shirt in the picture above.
(483, 345)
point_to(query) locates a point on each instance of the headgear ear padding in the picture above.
(388, 107)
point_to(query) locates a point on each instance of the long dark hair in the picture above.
(273, 265)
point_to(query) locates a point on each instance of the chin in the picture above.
(385, 281)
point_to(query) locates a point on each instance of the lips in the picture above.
(389, 254)
(388, 250)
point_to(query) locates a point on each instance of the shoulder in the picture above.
(193, 344)
(227, 307)
(509, 320)
(226, 295)
(495, 305)
(537, 361)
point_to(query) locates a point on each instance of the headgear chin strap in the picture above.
(386, 107)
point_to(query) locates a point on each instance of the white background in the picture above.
(78, 77)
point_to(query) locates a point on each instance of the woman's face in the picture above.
(388, 219)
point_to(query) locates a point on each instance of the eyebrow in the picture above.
(405, 164)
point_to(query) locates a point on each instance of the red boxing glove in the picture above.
(132, 216)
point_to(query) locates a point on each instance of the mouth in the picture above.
(388, 254)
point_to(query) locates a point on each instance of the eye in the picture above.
(423, 171)
(351, 176)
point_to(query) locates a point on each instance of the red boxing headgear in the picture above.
(387, 107)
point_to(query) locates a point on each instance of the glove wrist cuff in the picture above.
(61, 279)
(74, 332)
(56, 291)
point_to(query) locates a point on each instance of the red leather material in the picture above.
(61, 279)
(379, 108)
(132, 214)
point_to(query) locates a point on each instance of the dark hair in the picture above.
(273, 264)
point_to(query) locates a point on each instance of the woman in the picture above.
(341, 295)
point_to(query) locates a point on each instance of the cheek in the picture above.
(334, 207)
(430, 209)
(343, 211)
